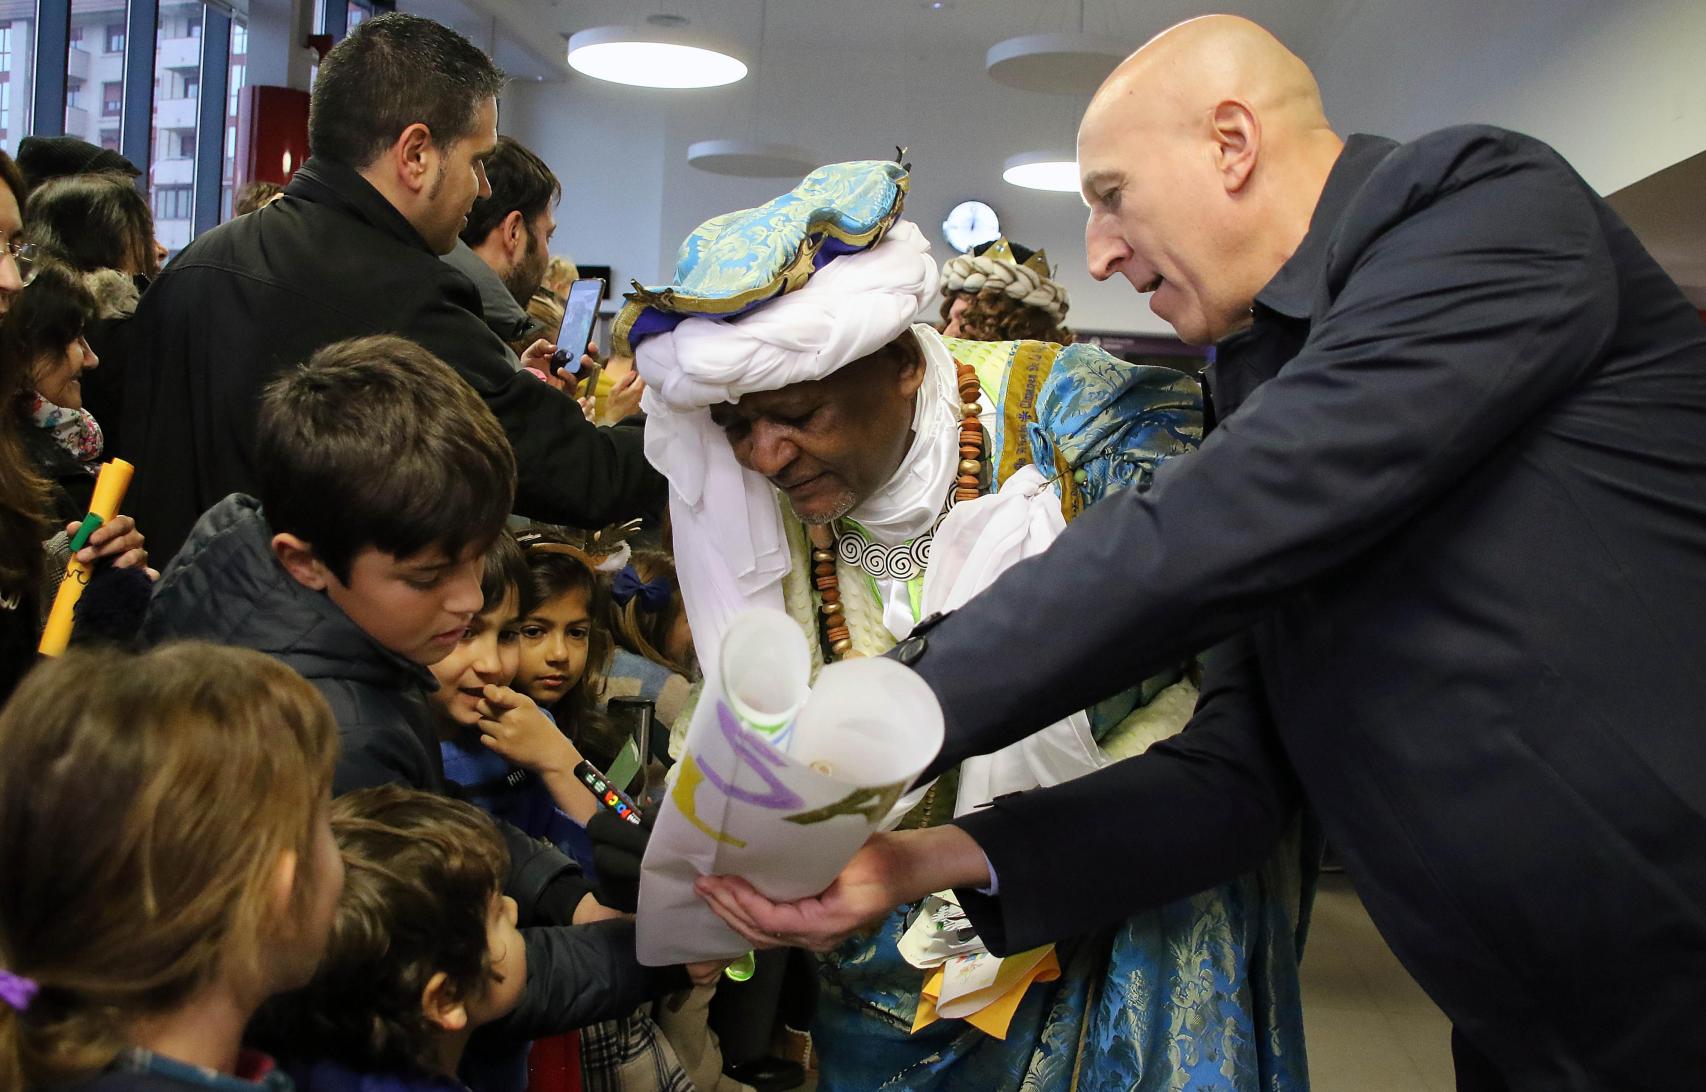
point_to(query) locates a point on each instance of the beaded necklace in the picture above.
(968, 485)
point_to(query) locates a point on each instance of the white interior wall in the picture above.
(1619, 86)
(633, 206)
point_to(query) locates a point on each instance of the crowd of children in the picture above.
(335, 812)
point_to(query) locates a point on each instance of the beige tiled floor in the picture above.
(1369, 1026)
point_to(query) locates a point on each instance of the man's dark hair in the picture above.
(420, 871)
(93, 221)
(376, 442)
(255, 196)
(520, 183)
(392, 71)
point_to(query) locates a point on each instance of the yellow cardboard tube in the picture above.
(110, 487)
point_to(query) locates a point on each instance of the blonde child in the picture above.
(168, 865)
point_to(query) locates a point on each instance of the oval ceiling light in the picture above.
(654, 56)
(753, 158)
(1042, 171)
(1060, 64)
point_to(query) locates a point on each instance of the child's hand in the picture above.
(512, 725)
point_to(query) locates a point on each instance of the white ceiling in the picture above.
(909, 25)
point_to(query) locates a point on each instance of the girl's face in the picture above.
(60, 380)
(678, 642)
(554, 641)
(487, 655)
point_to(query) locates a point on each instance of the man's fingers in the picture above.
(715, 893)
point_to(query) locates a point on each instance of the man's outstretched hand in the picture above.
(889, 870)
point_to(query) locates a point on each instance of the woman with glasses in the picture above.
(33, 544)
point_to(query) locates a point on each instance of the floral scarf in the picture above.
(74, 430)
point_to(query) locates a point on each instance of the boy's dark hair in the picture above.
(392, 71)
(376, 442)
(505, 568)
(47, 316)
(520, 181)
(420, 871)
(93, 221)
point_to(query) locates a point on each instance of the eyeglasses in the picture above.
(24, 256)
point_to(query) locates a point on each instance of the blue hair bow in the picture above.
(653, 597)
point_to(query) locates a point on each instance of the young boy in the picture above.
(383, 479)
(423, 950)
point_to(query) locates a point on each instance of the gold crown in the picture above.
(1002, 251)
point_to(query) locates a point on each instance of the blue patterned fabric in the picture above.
(735, 262)
(1199, 994)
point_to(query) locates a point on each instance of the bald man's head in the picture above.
(1201, 159)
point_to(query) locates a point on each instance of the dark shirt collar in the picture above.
(327, 183)
(1292, 290)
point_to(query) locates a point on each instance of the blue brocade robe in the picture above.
(1198, 994)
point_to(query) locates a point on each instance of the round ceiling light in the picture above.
(1042, 171)
(753, 158)
(1062, 64)
(654, 56)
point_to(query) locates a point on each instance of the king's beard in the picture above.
(841, 505)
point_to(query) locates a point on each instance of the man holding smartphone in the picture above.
(402, 123)
(506, 243)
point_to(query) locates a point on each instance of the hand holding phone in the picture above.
(580, 314)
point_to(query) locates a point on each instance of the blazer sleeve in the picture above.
(568, 470)
(1189, 812)
(1472, 291)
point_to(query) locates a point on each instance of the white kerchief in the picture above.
(731, 552)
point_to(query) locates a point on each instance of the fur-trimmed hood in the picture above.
(116, 294)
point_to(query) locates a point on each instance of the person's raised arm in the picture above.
(568, 470)
(1455, 323)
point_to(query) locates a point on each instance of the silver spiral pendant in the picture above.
(906, 561)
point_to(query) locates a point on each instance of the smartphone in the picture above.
(579, 315)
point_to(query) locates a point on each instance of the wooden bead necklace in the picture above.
(837, 637)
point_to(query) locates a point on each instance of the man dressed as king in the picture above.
(831, 457)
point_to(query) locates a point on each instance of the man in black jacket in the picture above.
(1450, 527)
(404, 113)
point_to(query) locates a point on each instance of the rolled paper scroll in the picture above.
(110, 487)
(778, 784)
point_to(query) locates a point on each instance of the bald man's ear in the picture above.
(1238, 143)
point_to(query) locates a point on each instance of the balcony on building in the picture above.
(78, 64)
(173, 172)
(180, 53)
(175, 114)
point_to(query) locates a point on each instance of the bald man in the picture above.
(1448, 538)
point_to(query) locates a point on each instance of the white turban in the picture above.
(731, 551)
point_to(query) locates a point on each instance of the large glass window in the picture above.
(236, 73)
(94, 69)
(17, 70)
(176, 116)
